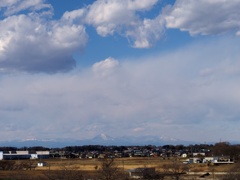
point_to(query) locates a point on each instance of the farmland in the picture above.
(90, 167)
(88, 162)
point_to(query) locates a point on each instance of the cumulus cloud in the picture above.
(204, 17)
(32, 43)
(171, 94)
(74, 15)
(108, 15)
(115, 16)
(123, 17)
(106, 67)
(147, 32)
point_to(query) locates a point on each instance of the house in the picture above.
(184, 155)
(215, 160)
(102, 156)
(137, 153)
(41, 164)
(195, 160)
(43, 154)
(222, 160)
(34, 156)
(199, 154)
(208, 159)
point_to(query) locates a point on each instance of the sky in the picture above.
(76, 69)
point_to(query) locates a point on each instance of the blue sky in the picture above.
(76, 69)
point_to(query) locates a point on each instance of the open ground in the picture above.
(91, 166)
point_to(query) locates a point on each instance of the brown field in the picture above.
(92, 165)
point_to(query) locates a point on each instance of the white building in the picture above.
(14, 155)
(42, 164)
(1, 155)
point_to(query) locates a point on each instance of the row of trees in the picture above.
(218, 148)
(17, 165)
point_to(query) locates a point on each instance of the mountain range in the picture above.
(101, 139)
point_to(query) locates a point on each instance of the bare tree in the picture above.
(175, 169)
(212, 170)
(26, 165)
(110, 171)
(7, 165)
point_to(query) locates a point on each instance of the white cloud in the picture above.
(108, 15)
(125, 17)
(120, 16)
(116, 12)
(73, 15)
(138, 129)
(33, 43)
(11, 7)
(147, 32)
(204, 17)
(141, 4)
(69, 37)
(106, 67)
(172, 94)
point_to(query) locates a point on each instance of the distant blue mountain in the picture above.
(101, 139)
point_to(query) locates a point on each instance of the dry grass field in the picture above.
(92, 165)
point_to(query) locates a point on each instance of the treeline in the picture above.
(218, 149)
